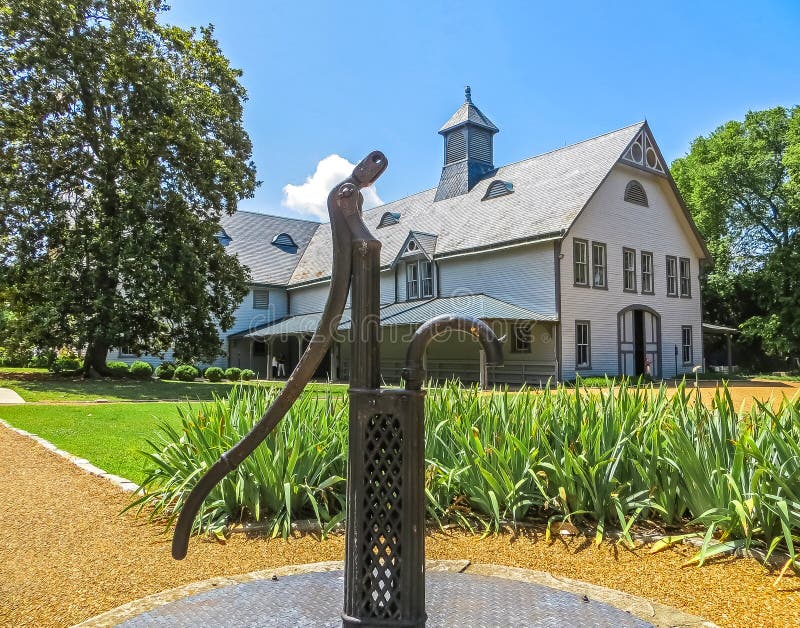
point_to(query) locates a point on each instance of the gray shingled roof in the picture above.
(408, 313)
(549, 192)
(251, 237)
(468, 112)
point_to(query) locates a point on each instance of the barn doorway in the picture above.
(639, 330)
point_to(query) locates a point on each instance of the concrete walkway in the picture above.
(9, 397)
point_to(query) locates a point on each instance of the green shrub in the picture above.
(186, 373)
(64, 364)
(141, 370)
(166, 370)
(233, 374)
(247, 375)
(41, 360)
(118, 369)
(214, 374)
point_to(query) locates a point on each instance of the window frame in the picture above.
(601, 246)
(516, 337)
(625, 270)
(412, 295)
(687, 277)
(425, 278)
(687, 348)
(585, 366)
(651, 274)
(674, 260)
(585, 243)
(255, 299)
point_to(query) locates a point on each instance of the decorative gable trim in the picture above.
(416, 245)
(644, 153)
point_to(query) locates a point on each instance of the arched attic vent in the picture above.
(498, 188)
(285, 242)
(388, 219)
(634, 193)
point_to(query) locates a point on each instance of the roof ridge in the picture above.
(254, 213)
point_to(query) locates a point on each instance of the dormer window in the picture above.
(412, 246)
(634, 193)
(388, 219)
(285, 242)
(498, 188)
(223, 238)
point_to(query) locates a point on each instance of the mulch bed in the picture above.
(66, 554)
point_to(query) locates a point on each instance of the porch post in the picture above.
(484, 371)
(268, 353)
(252, 345)
(730, 354)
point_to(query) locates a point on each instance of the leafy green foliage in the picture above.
(233, 374)
(248, 374)
(607, 458)
(297, 472)
(65, 363)
(165, 370)
(121, 147)
(186, 373)
(118, 369)
(214, 374)
(742, 185)
(141, 370)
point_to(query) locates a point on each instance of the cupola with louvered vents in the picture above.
(388, 219)
(634, 193)
(498, 188)
(468, 149)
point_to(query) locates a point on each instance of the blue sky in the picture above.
(344, 78)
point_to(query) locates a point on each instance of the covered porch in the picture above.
(529, 343)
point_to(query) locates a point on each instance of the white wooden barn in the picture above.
(585, 259)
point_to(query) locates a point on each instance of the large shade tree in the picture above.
(742, 184)
(121, 147)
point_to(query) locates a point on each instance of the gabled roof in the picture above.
(550, 190)
(251, 238)
(426, 243)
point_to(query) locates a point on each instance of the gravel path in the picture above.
(66, 554)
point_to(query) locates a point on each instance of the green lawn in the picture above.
(109, 436)
(76, 389)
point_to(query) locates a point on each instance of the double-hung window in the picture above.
(685, 275)
(521, 339)
(426, 278)
(583, 346)
(412, 280)
(686, 344)
(599, 265)
(419, 279)
(628, 270)
(647, 273)
(580, 260)
(672, 276)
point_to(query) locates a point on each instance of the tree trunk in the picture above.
(95, 360)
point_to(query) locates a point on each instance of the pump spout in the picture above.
(414, 372)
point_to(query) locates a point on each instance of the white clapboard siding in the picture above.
(309, 299)
(522, 275)
(245, 317)
(660, 229)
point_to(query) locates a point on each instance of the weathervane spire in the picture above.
(467, 94)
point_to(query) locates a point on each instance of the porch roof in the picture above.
(409, 313)
(710, 328)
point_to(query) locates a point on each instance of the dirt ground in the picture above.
(66, 554)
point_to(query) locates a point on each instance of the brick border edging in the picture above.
(657, 614)
(84, 465)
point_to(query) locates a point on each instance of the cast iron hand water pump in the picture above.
(385, 545)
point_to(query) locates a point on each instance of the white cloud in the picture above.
(311, 197)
